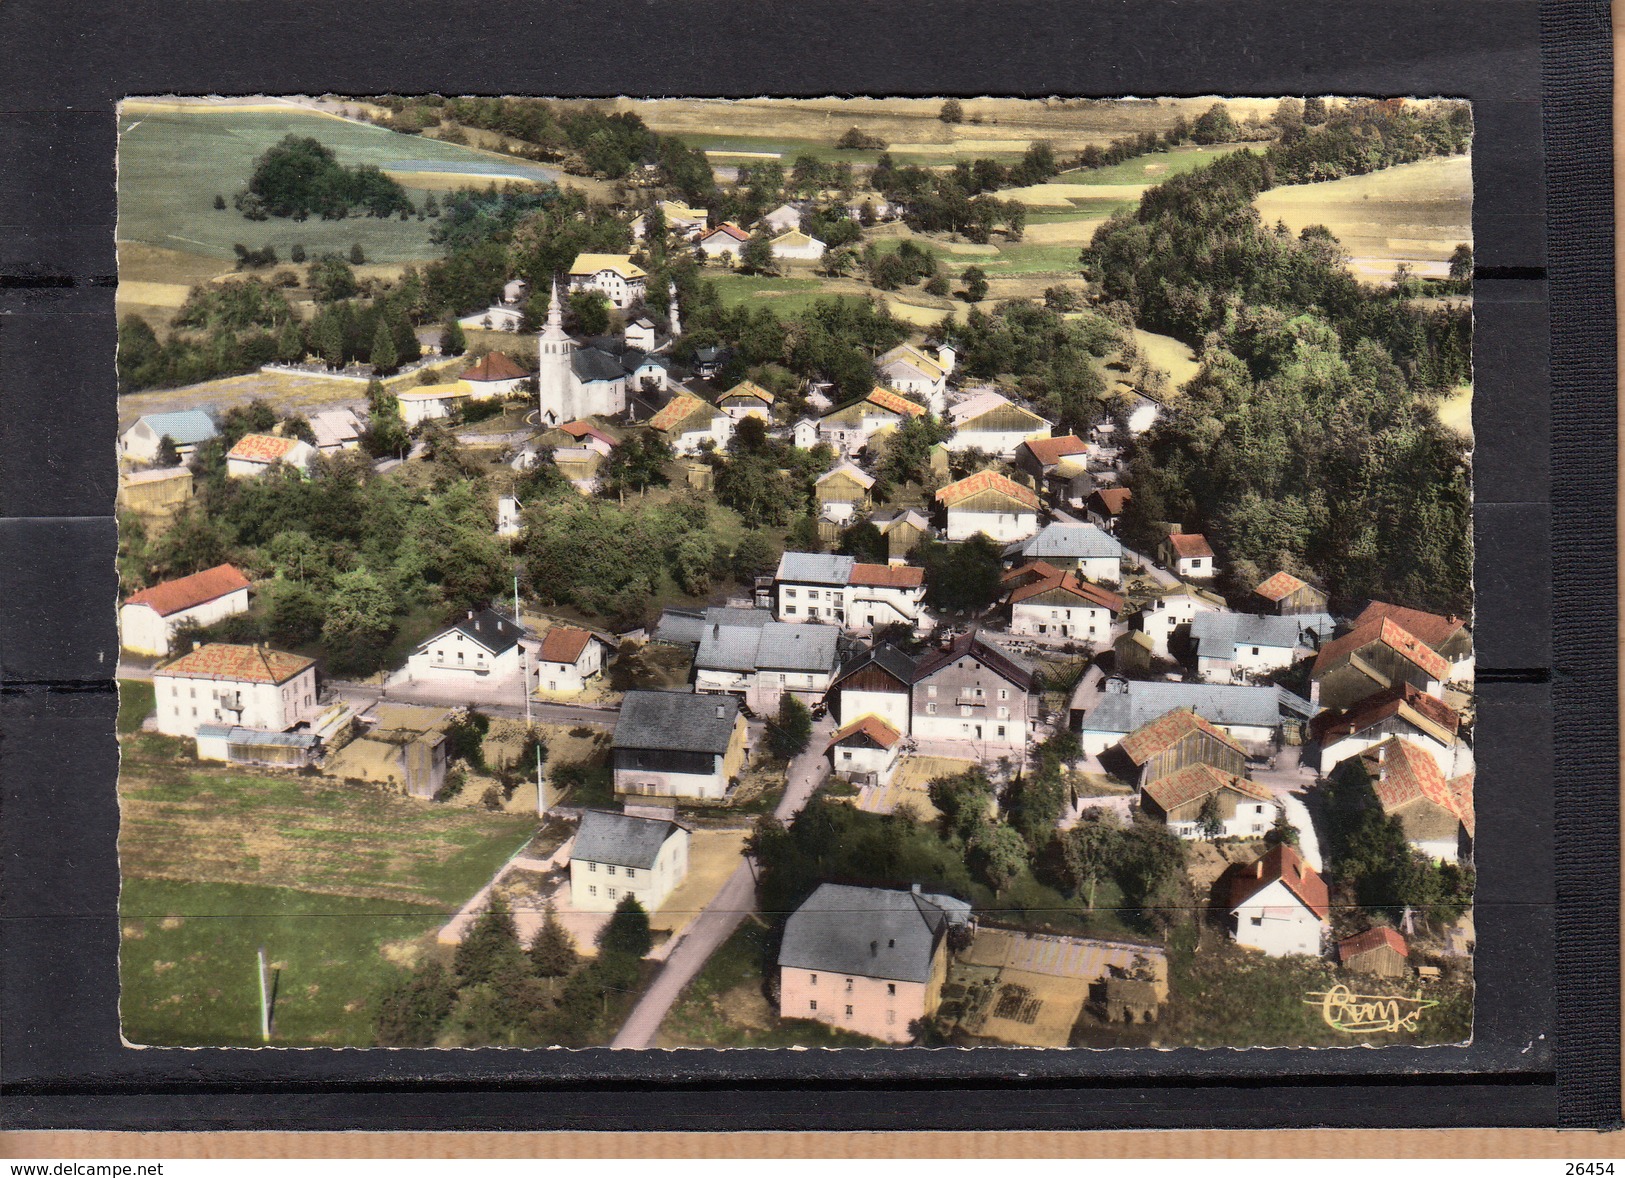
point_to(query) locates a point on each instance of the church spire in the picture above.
(555, 310)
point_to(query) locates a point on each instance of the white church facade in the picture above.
(576, 380)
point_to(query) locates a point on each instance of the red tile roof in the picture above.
(1070, 583)
(895, 402)
(987, 480)
(1189, 544)
(1282, 863)
(170, 597)
(1333, 725)
(262, 448)
(679, 411)
(1433, 629)
(1389, 634)
(564, 644)
(1279, 586)
(1373, 938)
(1151, 738)
(1049, 451)
(1197, 781)
(495, 366)
(1114, 499)
(871, 726)
(1461, 788)
(1402, 773)
(582, 429)
(238, 664)
(730, 229)
(1039, 569)
(886, 576)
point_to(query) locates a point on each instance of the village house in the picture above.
(243, 686)
(1058, 466)
(849, 428)
(612, 275)
(758, 660)
(675, 744)
(972, 692)
(569, 657)
(680, 220)
(1436, 814)
(993, 424)
(919, 372)
(1106, 506)
(149, 619)
(1285, 594)
(1080, 548)
(747, 399)
(1371, 658)
(494, 375)
(432, 402)
(710, 360)
(1172, 742)
(1254, 717)
(1279, 905)
(814, 586)
(254, 454)
(903, 530)
(1448, 637)
(616, 856)
(187, 428)
(1187, 800)
(867, 960)
(727, 238)
(804, 433)
(795, 245)
(989, 504)
(865, 751)
(1167, 616)
(1233, 648)
(879, 684)
(686, 423)
(1402, 711)
(584, 434)
(1061, 605)
(1379, 951)
(842, 492)
(1187, 555)
(481, 645)
(783, 219)
(337, 430)
(405, 747)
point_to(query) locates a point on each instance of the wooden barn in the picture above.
(1379, 951)
(1173, 741)
(1285, 594)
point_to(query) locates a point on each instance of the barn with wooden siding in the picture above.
(1379, 951)
(1172, 742)
(1285, 594)
(1371, 658)
(1242, 808)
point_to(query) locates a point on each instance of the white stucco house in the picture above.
(243, 686)
(1093, 554)
(992, 423)
(254, 454)
(482, 645)
(1280, 905)
(1171, 609)
(613, 275)
(1188, 556)
(990, 504)
(569, 658)
(827, 587)
(1233, 648)
(619, 855)
(149, 618)
(187, 428)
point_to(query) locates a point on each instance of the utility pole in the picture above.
(541, 786)
(265, 1002)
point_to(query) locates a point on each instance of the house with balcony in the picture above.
(236, 685)
(816, 586)
(482, 645)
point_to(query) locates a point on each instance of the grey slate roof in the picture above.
(691, 626)
(186, 426)
(676, 721)
(1141, 702)
(888, 658)
(487, 627)
(1073, 541)
(869, 932)
(1218, 633)
(750, 645)
(621, 839)
(592, 364)
(235, 734)
(815, 568)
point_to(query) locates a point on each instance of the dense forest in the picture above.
(1309, 440)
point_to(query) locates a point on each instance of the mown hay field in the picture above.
(1412, 213)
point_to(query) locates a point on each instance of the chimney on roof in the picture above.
(471, 615)
(722, 712)
(914, 889)
(874, 948)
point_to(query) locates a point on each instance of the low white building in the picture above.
(615, 856)
(1188, 556)
(569, 658)
(1171, 610)
(431, 402)
(336, 430)
(798, 246)
(149, 619)
(1233, 648)
(254, 454)
(866, 749)
(243, 686)
(989, 504)
(823, 587)
(783, 219)
(1280, 905)
(1093, 554)
(613, 275)
(726, 238)
(493, 375)
(482, 645)
(494, 318)
(994, 424)
(187, 428)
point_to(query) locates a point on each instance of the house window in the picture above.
(964, 709)
(1255, 650)
(849, 985)
(789, 592)
(812, 1004)
(592, 867)
(610, 869)
(891, 989)
(930, 709)
(459, 656)
(612, 893)
(1004, 693)
(592, 889)
(812, 979)
(848, 1012)
(631, 872)
(789, 609)
(846, 754)
(1258, 922)
(930, 692)
(1001, 730)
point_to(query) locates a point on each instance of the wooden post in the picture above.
(265, 1001)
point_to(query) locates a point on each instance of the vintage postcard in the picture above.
(845, 573)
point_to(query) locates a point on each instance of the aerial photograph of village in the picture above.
(831, 573)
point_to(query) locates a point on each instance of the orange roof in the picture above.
(1040, 569)
(239, 664)
(495, 366)
(1114, 499)
(262, 448)
(1067, 582)
(1285, 864)
(1197, 781)
(1433, 629)
(1279, 586)
(1402, 773)
(1376, 708)
(582, 429)
(170, 597)
(730, 229)
(1372, 938)
(1189, 544)
(886, 576)
(747, 388)
(895, 402)
(987, 480)
(1461, 788)
(871, 726)
(1051, 450)
(1151, 738)
(564, 644)
(677, 411)
(1389, 634)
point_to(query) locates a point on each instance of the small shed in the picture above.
(1380, 951)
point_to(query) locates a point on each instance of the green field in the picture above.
(1084, 208)
(188, 962)
(171, 166)
(136, 701)
(785, 296)
(1153, 168)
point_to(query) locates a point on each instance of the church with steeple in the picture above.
(594, 378)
